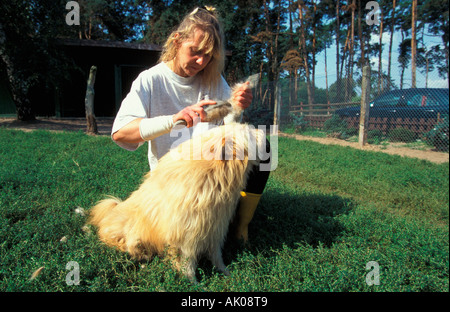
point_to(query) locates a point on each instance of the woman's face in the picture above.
(190, 60)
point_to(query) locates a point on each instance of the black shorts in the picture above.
(257, 179)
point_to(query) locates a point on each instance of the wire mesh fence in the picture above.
(418, 116)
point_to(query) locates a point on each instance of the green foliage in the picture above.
(299, 122)
(259, 35)
(438, 137)
(38, 26)
(335, 124)
(326, 212)
(29, 25)
(320, 95)
(375, 136)
(338, 127)
(256, 115)
(402, 135)
(343, 90)
(112, 20)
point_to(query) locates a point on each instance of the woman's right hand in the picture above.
(191, 113)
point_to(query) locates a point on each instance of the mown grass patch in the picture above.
(326, 212)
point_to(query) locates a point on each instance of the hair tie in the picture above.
(209, 9)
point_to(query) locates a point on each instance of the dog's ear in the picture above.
(224, 148)
(232, 147)
(227, 148)
(229, 145)
(217, 151)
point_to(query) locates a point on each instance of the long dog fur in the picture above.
(185, 205)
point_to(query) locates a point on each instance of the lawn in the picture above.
(331, 219)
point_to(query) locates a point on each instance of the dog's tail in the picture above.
(103, 208)
(109, 222)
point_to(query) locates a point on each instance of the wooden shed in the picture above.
(118, 64)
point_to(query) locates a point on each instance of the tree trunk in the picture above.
(352, 52)
(260, 91)
(326, 76)
(337, 41)
(19, 85)
(344, 53)
(413, 44)
(402, 73)
(364, 117)
(275, 67)
(296, 75)
(269, 54)
(313, 90)
(361, 38)
(304, 54)
(380, 58)
(89, 102)
(292, 81)
(344, 59)
(391, 39)
(446, 59)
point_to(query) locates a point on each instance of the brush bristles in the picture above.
(221, 109)
(217, 111)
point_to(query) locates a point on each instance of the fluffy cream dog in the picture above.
(186, 204)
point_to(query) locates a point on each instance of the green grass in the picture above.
(326, 212)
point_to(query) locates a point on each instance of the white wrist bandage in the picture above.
(151, 128)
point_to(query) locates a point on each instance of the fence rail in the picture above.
(311, 110)
(384, 124)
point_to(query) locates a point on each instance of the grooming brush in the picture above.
(222, 108)
(213, 112)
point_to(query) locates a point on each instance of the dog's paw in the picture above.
(225, 271)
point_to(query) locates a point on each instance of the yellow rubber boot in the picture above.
(246, 210)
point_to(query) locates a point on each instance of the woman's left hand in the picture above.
(242, 95)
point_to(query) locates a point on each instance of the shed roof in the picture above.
(111, 44)
(117, 44)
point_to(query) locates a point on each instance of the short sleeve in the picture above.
(135, 105)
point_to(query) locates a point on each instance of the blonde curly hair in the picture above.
(205, 19)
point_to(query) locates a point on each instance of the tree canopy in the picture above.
(277, 39)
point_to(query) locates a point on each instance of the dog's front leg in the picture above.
(189, 267)
(185, 262)
(215, 255)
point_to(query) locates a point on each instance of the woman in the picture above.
(189, 72)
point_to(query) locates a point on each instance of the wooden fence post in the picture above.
(277, 108)
(89, 102)
(364, 116)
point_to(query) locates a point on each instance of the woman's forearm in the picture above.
(129, 133)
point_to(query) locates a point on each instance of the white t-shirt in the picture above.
(158, 91)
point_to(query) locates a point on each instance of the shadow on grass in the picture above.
(288, 219)
(284, 219)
